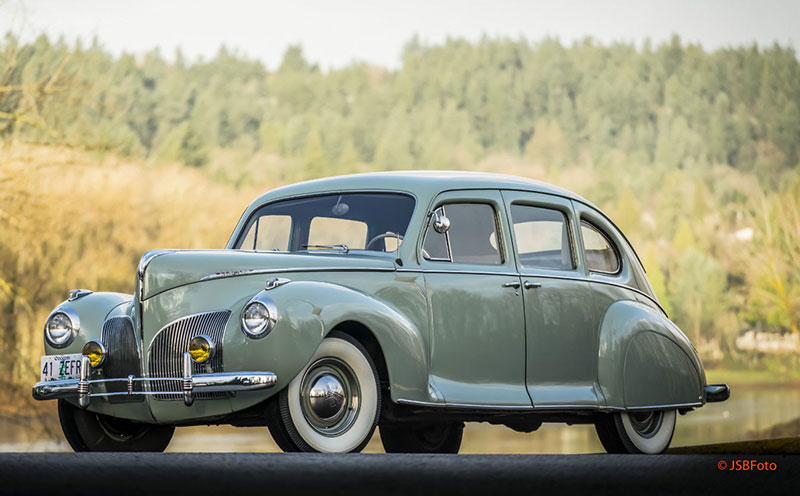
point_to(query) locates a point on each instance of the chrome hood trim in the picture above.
(163, 270)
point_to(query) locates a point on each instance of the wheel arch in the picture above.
(393, 340)
(367, 338)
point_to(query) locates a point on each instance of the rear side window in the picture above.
(542, 237)
(472, 237)
(601, 255)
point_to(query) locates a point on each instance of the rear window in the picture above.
(601, 255)
(542, 237)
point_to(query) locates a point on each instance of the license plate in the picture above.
(61, 367)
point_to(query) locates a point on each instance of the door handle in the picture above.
(512, 284)
(531, 285)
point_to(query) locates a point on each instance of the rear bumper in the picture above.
(187, 385)
(717, 392)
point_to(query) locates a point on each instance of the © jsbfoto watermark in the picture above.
(746, 465)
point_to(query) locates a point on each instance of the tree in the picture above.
(698, 293)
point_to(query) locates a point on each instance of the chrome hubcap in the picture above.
(330, 396)
(646, 424)
(326, 397)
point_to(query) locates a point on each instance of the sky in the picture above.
(337, 33)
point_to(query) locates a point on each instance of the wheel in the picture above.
(440, 437)
(333, 404)
(89, 431)
(636, 432)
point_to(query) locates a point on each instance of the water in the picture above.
(739, 418)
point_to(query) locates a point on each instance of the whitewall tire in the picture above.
(334, 403)
(648, 432)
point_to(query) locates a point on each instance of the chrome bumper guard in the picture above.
(188, 384)
(717, 392)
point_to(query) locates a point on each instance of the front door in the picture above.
(475, 301)
(562, 336)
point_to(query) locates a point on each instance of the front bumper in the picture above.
(186, 385)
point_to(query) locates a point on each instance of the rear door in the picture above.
(561, 332)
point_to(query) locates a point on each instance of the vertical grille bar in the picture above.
(165, 355)
(123, 357)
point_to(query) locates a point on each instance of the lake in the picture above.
(747, 410)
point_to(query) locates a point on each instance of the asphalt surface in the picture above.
(273, 473)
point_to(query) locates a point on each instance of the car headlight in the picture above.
(259, 316)
(61, 327)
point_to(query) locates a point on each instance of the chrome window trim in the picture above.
(611, 243)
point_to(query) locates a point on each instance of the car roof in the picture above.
(422, 183)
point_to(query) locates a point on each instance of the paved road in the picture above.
(232, 474)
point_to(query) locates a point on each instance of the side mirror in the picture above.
(441, 224)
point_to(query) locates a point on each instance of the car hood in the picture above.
(163, 270)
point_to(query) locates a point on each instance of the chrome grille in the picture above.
(165, 355)
(123, 357)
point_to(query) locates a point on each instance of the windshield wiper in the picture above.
(343, 247)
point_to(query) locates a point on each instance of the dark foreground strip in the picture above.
(244, 473)
(787, 446)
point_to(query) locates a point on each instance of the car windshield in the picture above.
(374, 222)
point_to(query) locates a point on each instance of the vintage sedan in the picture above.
(415, 301)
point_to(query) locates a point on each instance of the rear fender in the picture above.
(645, 360)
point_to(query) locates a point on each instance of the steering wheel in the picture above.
(383, 236)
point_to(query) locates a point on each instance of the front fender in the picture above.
(309, 310)
(92, 310)
(644, 360)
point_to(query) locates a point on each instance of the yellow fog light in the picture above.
(201, 348)
(96, 352)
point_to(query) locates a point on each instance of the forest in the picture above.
(694, 154)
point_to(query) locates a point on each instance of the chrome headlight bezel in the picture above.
(261, 330)
(73, 327)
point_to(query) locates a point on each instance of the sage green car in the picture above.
(415, 301)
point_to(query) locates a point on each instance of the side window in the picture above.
(542, 237)
(472, 237)
(601, 256)
(434, 247)
(268, 232)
